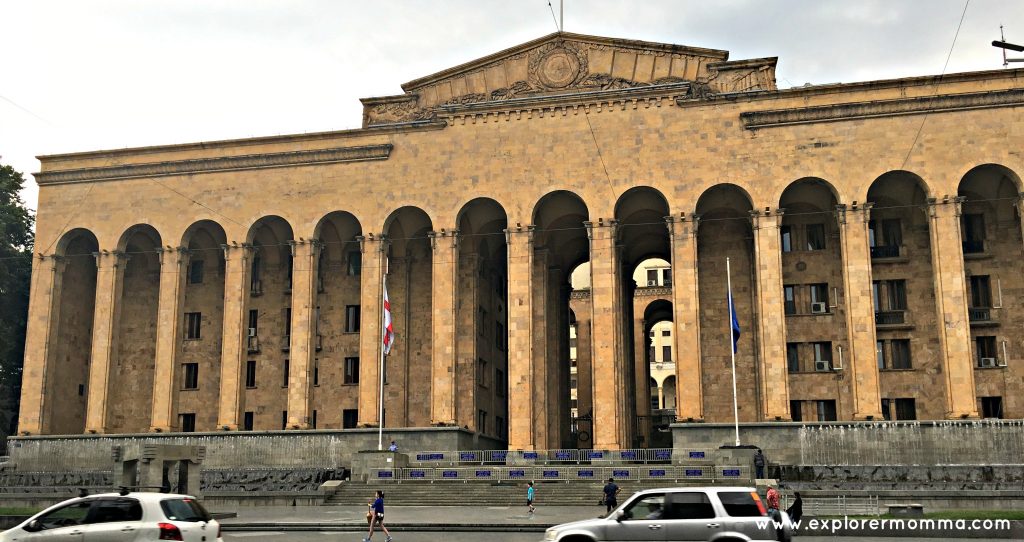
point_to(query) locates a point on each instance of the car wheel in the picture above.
(577, 538)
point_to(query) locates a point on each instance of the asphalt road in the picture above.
(490, 537)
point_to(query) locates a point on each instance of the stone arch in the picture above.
(640, 213)
(992, 190)
(67, 364)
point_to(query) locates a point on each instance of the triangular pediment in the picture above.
(564, 62)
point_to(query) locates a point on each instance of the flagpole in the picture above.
(380, 343)
(732, 350)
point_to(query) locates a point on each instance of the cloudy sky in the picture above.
(85, 75)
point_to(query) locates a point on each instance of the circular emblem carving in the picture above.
(801, 266)
(558, 68)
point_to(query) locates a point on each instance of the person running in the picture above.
(377, 509)
(611, 492)
(529, 499)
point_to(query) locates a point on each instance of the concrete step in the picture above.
(427, 494)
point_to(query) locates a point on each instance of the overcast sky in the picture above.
(86, 75)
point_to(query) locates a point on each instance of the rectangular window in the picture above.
(188, 422)
(314, 419)
(905, 409)
(349, 418)
(876, 295)
(191, 376)
(573, 383)
(880, 354)
(255, 287)
(666, 333)
(819, 298)
(284, 419)
(892, 232)
(796, 411)
(887, 409)
(499, 382)
(250, 374)
(499, 426)
(815, 237)
(316, 371)
(481, 373)
(481, 421)
(986, 351)
(972, 227)
(666, 354)
(195, 272)
(652, 277)
(247, 421)
(355, 263)
(991, 407)
(826, 410)
(822, 356)
(789, 295)
(793, 357)
(286, 315)
(897, 295)
(351, 370)
(900, 353)
(254, 319)
(981, 293)
(193, 321)
(351, 318)
(786, 233)
(287, 365)
(499, 336)
(481, 321)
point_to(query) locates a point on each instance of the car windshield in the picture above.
(184, 510)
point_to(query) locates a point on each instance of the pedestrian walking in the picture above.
(796, 510)
(759, 464)
(611, 492)
(377, 518)
(772, 496)
(529, 499)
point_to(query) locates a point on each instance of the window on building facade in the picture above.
(352, 370)
(499, 336)
(905, 409)
(316, 371)
(981, 293)
(481, 373)
(815, 237)
(886, 409)
(351, 318)
(355, 263)
(349, 418)
(666, 277)
(900, 353)
(254, 320)
(499, 382)
(655, 404)
(286, 316)
(247, 421)
(972, 228)
(793, 357)
(991, 407)
(985, 348)
(481, 421)
(481, 321)
(786, 234)
(887, 235)
(499, 426)
(572, 382)
(284, 419)
(191, 376)
(255, 285)
(193, 323)
(822, 356)
(666, 333)
(314, 419)
(789, 295)
(880, 354)
(897, 291)
(826, 410)
(287, 368)
(195, 272)
(250, 374)
(188, 422)
(652, 277)
(819, 297)
(666, 353)
(796, 411)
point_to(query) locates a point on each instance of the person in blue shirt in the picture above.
(377, 517)
(529, 499)
(393, 447)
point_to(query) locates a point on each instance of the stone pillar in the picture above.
(109, 280)
(951, 304)
(540, 362)
(445, 261)
(371, 336)
(521, 435)
(43, 314)
(771, 329)
(173, 266)
(686, 317)
(466, 346)
(641, 370)
(302, 348)
(610, 394)
(234, 348)
(861, 357)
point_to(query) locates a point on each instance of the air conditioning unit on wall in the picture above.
(988, 362)
(819, 308)
(652, 283)
(822, 365)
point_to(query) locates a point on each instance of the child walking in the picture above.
(529, 499)
(377, 509)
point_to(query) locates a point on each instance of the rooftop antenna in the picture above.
(1004, 45)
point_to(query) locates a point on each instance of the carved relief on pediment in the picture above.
(397, 111)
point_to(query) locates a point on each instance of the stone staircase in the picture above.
(483, 494)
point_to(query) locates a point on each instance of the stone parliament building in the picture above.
(236, 285)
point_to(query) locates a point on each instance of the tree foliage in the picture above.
(16, 239)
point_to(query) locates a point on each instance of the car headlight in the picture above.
(551, 534)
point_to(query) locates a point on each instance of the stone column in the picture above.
(951, 304)
(302, 348)
(445, 261)
(466, 391)
(861, 358)
(771, 328)
(234, 348)
(43, 314)
(610, 394)
(371, 336)
(521, 435)
(641, 370)
(173, 264)
(686, 317)
(109, 281)
(540, 362)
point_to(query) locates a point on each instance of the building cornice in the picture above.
(219, 164)
(882, 108)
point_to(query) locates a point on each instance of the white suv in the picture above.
(120, 517)
(719, 514)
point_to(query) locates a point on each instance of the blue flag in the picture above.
(735, 323)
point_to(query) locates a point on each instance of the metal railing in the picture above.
(889, 317)
(548, 457)
(979, 314)
(839, 506)
(564, 473)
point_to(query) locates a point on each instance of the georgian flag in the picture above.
(389, 330)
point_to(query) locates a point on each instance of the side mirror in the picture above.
(619, 515)
(33, 526)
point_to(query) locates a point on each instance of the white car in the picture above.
(120, 517)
